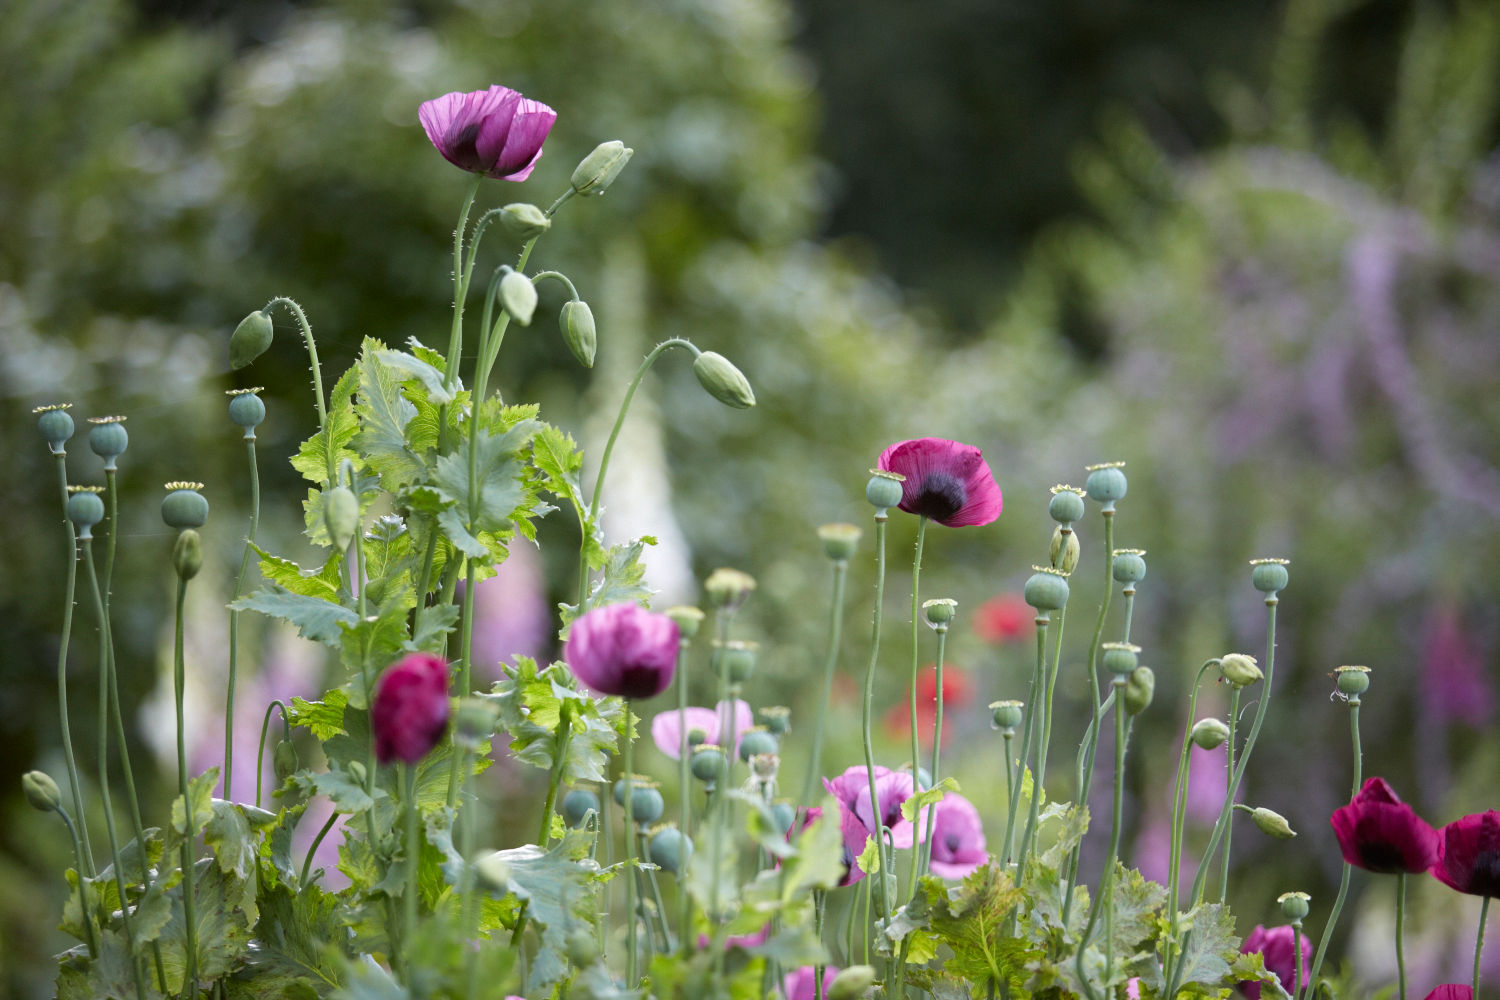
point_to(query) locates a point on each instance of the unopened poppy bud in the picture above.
(735, 659)
(728, 588)
(688, 619)
(723, 381)
(1293, 904)
(1007, 715)
(246, 410)
(357, 771)
(839, 541)
(1209, 733)
(646, 802)
(284, 762)
(184, 506)
(597, 171)
(670, 848)
(518, 296)
(940, 612)
(41, 791)
(187, 554)
(1239, 669)
(340, 516)
(525, 221)
(473, 723)
(1353, 681)
(785, 815)
(1271, 823)
(84, 508)
(577, 805)
(108, 439)
(1063, 553)
(708, 762)
(578, 330)
(1120, 658)
(884, 489)
(1106, 483)
(55, 424)
(755, 742)
(777, 719)
(1066, 505)
(852, 983)
(1047, 589)
(1268, 576)
(1129, 566)
(250, 339)
(494, 873)
(1140, 689)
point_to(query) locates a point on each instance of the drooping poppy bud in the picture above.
(409, 713)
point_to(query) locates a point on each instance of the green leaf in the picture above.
(323, 583)
(434, 622)
(927, 797)
(557, 886)
(970, 920)
(200, 793)
(411, 367)
(313, 458)
(314, 617)
(560, 460)
(337, 785)
(1211, 946)
(373, 643)
(112, 974)
(622, 580)
(325, 719)
(223, 930)
(1137, 901)
(383, 415)
(228, 836)
(296, 953)
(708, 883)
(530, 705)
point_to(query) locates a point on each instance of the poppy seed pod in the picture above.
(735, 659)
(1066, 505)
(578, 330)
(757, 742)
(1239, 669)
(598, 170)
(246, 410)
(728, 588)
(688, 619)
(1007, 715)
(56, 425)
(1140, 689)
(184, 506)
(1129, 566)
(785, 815)
(1047, 589)
(1293, 904)
(1269, 576)
(518, 296)
(839, 541)
(777, 719)
(84, 508)
(670, 849)
(723, 381)
(250, 339)
(708, 762)
(884, 489)
(940, 611)
(524, 220)
(1120, 658)
(473, 723)
(1353, 681)
(187, 554)
(1106, 483)
(1209, 733)
(41, 791)
(340, 516)
(646, 802)
(1064, 551)
(108, 439)
(577, 805)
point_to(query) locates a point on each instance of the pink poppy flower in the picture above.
(1275, 947)
(623, 649)
(667, 728)
(946, 481)
(1469, 854)
(495, 132)
(802, 984)
(1380, 833)
(410, 710)
(958, 845)
(857, 818)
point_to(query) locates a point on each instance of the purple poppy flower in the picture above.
(1451, 991)
(945, 480)
(623, 649)
(1380, 833)
(410, 709)
(1275, 947)
(857, 819)
(801, 985)
(958, 845)
(495, 132)
(667, 728)
(1469, 854)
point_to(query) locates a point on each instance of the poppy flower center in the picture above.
(639, 681)
(1486, 870)
(1382, 856)
(953, 843)
(940, 496)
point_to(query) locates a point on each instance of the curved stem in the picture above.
(460, 283)
(557, 276)
(260, 753)
(86, 858)
(317, 373)
(234, 621)
(179, 678)
(317, 842)
(869, 696)
(83, 885)
(830, 661)
(1338, 903)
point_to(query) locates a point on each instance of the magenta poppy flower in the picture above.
(1451, 991)
(946, 481)
(1380, 833)
(495, 132)
(1275, 947)
(1469, 854)
(410, 710)
(802, 984)
(857, 819)
(667, 728)
(958, 845)
(623, 649)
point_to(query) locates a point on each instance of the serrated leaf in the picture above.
(434, 622)
(112, 974)
(529, 704)
(315, 618)
(223, 930)
(1211, 946)
(927, 797)
(325, 719)
(622, 580)
(970, 919)
(370, 644)
(200, 794)
(560, 460)
(337, 785)
(285, 573)
(383, 415)
(327, 448)
(228, 836)
(295, 939)
(557, 886)
(411, 367)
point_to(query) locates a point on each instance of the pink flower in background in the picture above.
(958, 845)
(1455, 686)
(1207, 778)
(1275, 947)
(1380, 833)
(410, 710)
(946, 481)
(623, 649)
(511, 614)
(802, 984)
(667, 728)
(495, 132)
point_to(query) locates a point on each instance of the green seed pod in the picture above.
(735, 659)
(246, 410)
(597, 171)
(1140, 688)
(785, 815)
(1239, 669)
(187, 554)
(1106, 483)
(1209, 733)
(55, 424)
(1271, 823)
(284, 762)
(728, 588)
(696, 737)
(670, 848)
(852, 983)
(356, 771)
(473, 723)
(518, 296)
(578, 330)
(340, 516)
(1129, 566)
(41, 791)
(688, 619)
(494, 873)
(646, 802)
(1064, 551)
(777, 719)
(84, 508)
(184, 506)
(755, 742)
(577, 805)
(940, 611)
(839, 541)
(1047, 589)
(1293, 904)
(723, 381)
(250, 339)
(1120, 658)
(884, 489)
(108, 440)
(1007, 715)
(1268, 576)
(1066, 505)
(707, 763)
(524, 221)
(1353, 681)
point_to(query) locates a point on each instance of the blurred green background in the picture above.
(1251, 250)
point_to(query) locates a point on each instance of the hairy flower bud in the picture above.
(1140, 689)
(1271, 823)
(341, 516)
(41, 791)
(524, 220)
(1239, 669)
(250, 339)
(723, 381)
(852, 983)
(578, 330)
(598, 170)
(284, 762)
(1209, 733)
(518, 296)
(1064, 551)
(473, 723)
(187, 554)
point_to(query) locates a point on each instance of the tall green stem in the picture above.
(1484, 911)
(561, 734)
(1234, 715)
(413, 863)
(1086, 750)
(1105, 901)
(1045, 726)
(89, 932)
(1179, 808)
(869, 698)
(830, 661)
(460, 283)
(1010, 794)
(1400, 936)
(1338, 903)
(630, 927)
(684, 792)
(1297, 956)
(179, 679)
(86, 859)
(937, 748)
(1029, 732)
(234, 622)
(117, 713)
(916, 658)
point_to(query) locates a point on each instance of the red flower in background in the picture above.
(410, 709)
(957, 692)
(1380, 833)
(1004, 618)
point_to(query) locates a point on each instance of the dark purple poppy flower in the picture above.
(623, 649)
(946, 481)
(1275, 947)
(410, 710)
(1380, 833)
(1451, 991)
(958, 845)
(494, 132)
(1469, 854)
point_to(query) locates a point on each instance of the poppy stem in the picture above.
(1229, 789)
(1484, 911)
(86, 858)
(1034, 700)
(190, 833)
(1179, 808)
(1039, 783)
(937, 744)
(1010, 794)
(835, 628)
(413, 863)
(317, 373)
(1104, 902)
(1400, 933)
(916, 660)
(1297, 953)
(1338, 903)
(630, 929)
(460, 282)
(234, 621)
(1091, 737)
(869, 697)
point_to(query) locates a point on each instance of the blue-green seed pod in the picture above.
(247, 410)
(84, 509)
(839, 541)
(785, 815)
(56, 425)
(1106, 483)
(696, 737)
(108, 440)
(1047, 589)
(1007, 715)
(777, 719)
(579, 331)
(1120, 658)
(940, 611)
(670, 848)
(1268, 576)
(707, 763)
(1140, 689)
(41, 791)
(187, 554)
(1353, 681)
(1066, 505)
(728, 588)
(1129, 566)
(756, 741)
(646, 802)
(723, 381)
(184, 506)
(1294, 905)
(736, 659)
(884, 489)
(577, 805)
(250, 339)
